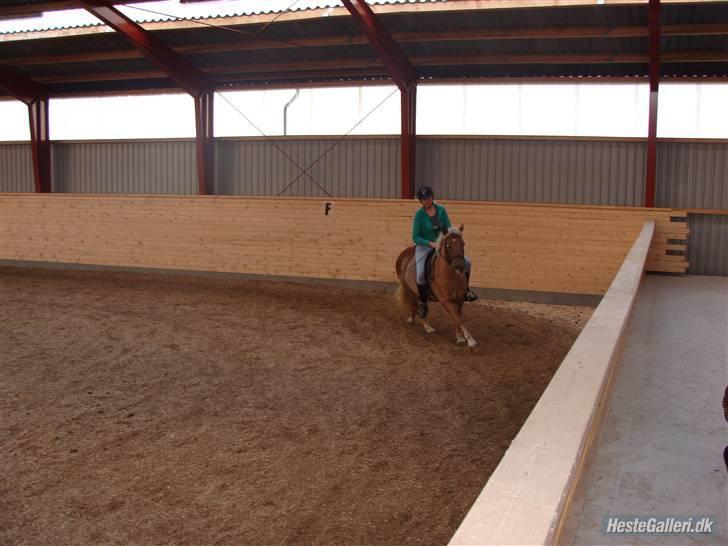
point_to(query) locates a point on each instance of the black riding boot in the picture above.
(470, 296)
(422, 304)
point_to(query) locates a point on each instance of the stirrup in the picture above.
(471, 296)
(421, 309)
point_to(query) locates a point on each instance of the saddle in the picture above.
(406, 270)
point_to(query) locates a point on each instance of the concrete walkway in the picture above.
(661, 451)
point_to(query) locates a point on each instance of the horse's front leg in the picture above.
(455, 312)
(459, 337)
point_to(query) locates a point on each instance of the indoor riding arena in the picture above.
(203, 340)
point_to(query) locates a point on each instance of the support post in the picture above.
(195, 82)
(408, 142)
(204, 141)
(35, 96)
(404, 76)
(654, 78)
(40, 143)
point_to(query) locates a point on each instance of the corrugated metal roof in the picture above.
(171, 10)
(449, 43)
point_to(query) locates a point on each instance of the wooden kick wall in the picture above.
(549, 248)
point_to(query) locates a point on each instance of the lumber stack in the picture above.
(550, 248)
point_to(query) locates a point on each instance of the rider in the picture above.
(429, 222)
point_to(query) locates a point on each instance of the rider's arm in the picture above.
(417, 233)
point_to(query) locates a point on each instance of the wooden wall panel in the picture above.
(550, 248)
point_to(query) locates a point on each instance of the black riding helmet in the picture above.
(424, 192)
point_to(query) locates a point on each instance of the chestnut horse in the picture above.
(448, 284)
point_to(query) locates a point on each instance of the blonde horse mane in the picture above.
(451, 231)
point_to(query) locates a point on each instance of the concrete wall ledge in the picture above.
(528, 496)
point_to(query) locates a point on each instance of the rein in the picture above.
(447, 259)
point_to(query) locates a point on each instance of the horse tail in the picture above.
(401, 296)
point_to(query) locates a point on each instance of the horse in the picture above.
(448, 284)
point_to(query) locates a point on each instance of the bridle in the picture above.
(444, 253)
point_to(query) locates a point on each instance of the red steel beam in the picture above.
(394, 59)
(404, 76)
(35, 96)
(180, 70)
(654, 79)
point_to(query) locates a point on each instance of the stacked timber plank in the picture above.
(550, 248)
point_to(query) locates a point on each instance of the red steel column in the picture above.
(204, 139)
(195, 82)
(654, 73)
(404, 76)
(40, 143)
(408, 140)
(35, 96)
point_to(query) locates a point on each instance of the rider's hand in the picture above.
(433, 244)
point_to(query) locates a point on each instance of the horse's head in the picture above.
(452, 248)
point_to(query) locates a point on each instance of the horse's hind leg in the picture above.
(429, 329)
(412, 319)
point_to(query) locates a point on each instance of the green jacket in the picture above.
(422, 230)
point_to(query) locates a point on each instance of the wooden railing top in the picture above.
(528, 496)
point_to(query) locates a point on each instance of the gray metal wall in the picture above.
(125, 167)
(695, 175)
(16, 168)
(534, 171)
(360, 167)
(692, 175)
(708, 245)
(578, 171)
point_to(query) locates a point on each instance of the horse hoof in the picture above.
(410, 320)
(460, 339)
(429, 329)
(472, 343)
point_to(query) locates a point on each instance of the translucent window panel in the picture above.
(262, 108)
(323, 111)
(336, 111)
(609, 110)
(440, 109)
(142, 116)
(534, 109)
(693, 111)
(612, 110)
(492, 110)
(713, 110)
(548, 109)
(677, 110)
(14, 123)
